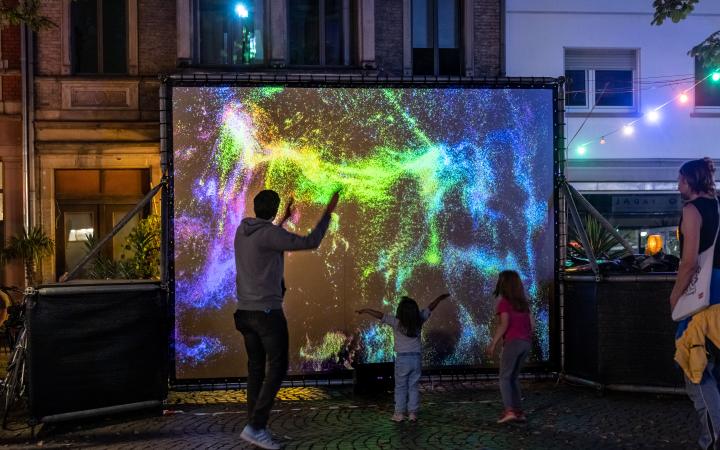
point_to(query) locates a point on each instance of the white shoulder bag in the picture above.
(697, 295)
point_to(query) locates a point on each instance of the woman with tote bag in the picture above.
(695, 298)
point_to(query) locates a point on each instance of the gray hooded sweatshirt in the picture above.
(259, 247)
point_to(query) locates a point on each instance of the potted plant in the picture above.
(30, 247)
(140, 259)
(604, 244)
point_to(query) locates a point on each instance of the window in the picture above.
(90, 203)
(231, 32)
(99, 36)
(637, 216)
(601, 80)
(436, 37)
(707, 92)
(319, 32)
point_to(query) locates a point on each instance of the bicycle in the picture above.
(9, 315)
(13, 386)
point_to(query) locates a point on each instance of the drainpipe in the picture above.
(503, 37)
(28, 145)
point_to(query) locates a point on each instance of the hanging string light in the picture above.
(652, 116)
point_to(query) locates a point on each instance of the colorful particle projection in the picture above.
(441, 189)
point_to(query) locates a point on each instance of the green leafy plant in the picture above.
(144, 244)
(30, 247)
(602, 242)
(140, 259)
(102, 267)
(24, 11)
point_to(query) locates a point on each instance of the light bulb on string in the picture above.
(715, 76)
(653, 116)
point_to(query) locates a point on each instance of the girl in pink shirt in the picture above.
(515, 329)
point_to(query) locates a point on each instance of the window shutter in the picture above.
(600, 59)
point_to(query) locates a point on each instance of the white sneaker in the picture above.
(261, 438)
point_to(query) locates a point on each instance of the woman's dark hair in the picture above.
(266, 204)
(408, 314)
(510, 287)
(699, 175)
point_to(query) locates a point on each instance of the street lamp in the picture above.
(242, 11)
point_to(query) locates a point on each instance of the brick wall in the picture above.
(48, 42)
(11, 41)
(389, 36)
(157, 49)
(11, 81)
(156, 53)
(11, 89)
(157, 38)
(11, 46)
(487, 37)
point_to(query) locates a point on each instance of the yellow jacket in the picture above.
(690, 351)
(5, 303)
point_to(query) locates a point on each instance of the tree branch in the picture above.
(27, 12)
(708, 51)
(675, 10)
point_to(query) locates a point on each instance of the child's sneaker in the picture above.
(261, 438)
(507, 416)
(397, 417)
(412, 417)
(521, 417)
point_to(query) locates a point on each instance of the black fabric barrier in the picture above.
(372, 379)
(620, 332)
(95, 346)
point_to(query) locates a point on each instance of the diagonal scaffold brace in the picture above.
(572, 195)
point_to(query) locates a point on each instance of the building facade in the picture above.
(94, 141)
(11, 151)
(637, 105)
(95, 116)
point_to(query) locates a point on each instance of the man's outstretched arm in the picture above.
(280, 239)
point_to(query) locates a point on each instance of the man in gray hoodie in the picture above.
(259, 247)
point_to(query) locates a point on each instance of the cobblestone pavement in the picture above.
(453, 416)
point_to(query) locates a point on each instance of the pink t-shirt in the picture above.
(519, 322)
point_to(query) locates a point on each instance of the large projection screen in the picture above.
(442, 188)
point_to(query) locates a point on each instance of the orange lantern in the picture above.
(654, 244)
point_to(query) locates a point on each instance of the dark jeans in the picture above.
(706, 399)
(266, 341)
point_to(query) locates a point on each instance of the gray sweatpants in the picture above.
(513, 356)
